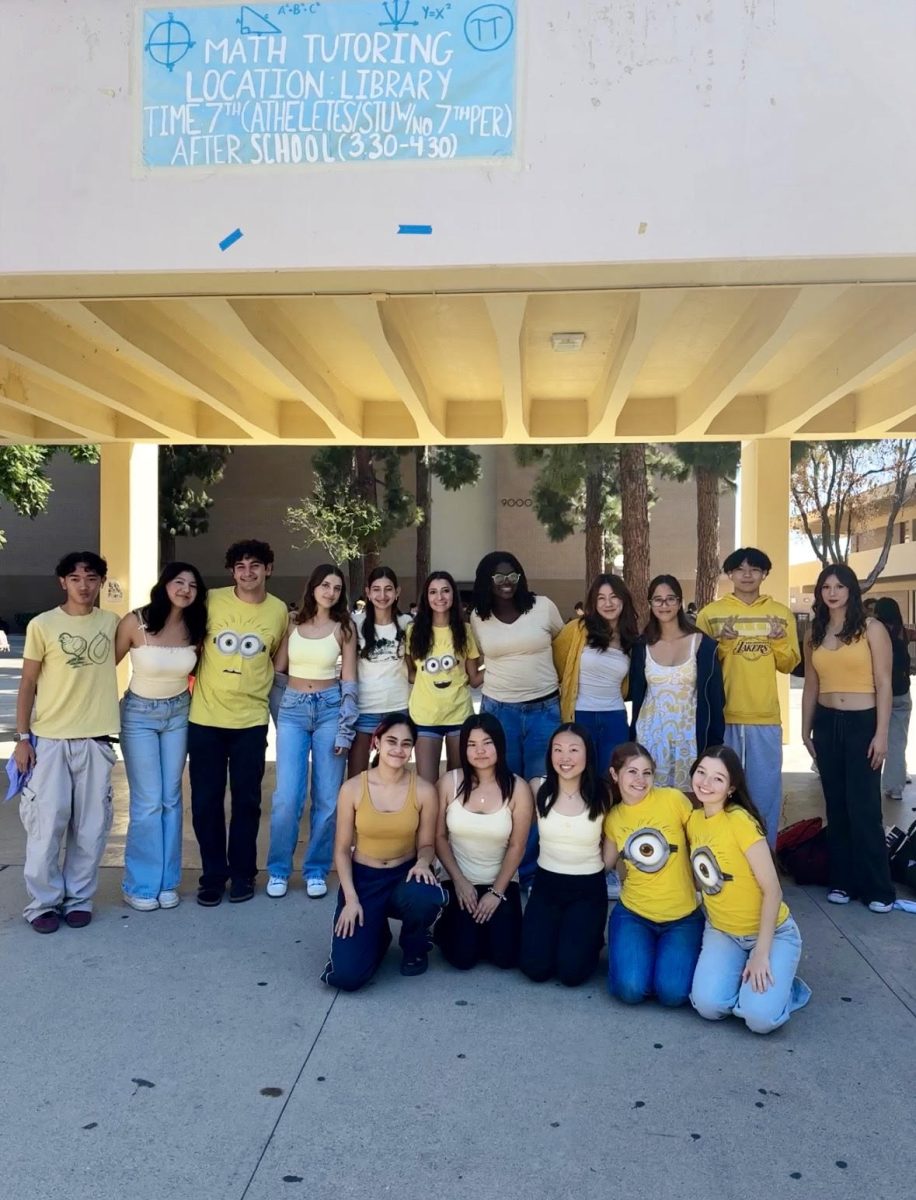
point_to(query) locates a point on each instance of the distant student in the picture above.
(69, 661)
(757, 639)
(227, 732)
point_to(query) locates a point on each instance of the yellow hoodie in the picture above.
(750, 660)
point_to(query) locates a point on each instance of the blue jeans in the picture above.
(718, 992)
(307, 726)
(652, 958)
(608, 729)
(154, 740)
(528, 727)
(760, 749)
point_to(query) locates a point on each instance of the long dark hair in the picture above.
(740, 795)
(597, 634)
(504, 777)
(593, 787)
(619, 759)
(156, 613)
(388, 722)
(421, 632)
(653, 629)
(854, 621)
(368, 630)
(482, 601)
(308, 605)
(888, 613)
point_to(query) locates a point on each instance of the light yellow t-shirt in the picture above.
(519, 654)
(441, 694)
(652, 840)
(77, 693)
(731, 894)
(236, 669)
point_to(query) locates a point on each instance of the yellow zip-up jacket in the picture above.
(750, 660)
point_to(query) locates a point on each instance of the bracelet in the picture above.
(499, 895)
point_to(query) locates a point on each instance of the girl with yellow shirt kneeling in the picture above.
(751, 944)
(656, 927)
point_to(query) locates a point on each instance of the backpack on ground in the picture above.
(902, 854)
(802, 852)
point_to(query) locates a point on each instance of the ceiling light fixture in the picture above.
(567, 343)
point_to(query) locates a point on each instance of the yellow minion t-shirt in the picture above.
(652, 842)
(77, 694)
(236, 668)
(441, 694)
(732, 897)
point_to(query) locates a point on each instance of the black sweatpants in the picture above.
(852, 791)
(563, 927)
(214, 753)
(464, 943)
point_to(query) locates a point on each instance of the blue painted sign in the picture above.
(328, 81)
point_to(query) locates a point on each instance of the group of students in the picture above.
(333, 682)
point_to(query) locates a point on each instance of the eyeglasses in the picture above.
(499, 578)
(663, 601)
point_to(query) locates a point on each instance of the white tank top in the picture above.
(160, 672)
(601, 676)
(570, 845)
(478, 840)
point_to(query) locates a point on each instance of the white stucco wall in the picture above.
(652, 131)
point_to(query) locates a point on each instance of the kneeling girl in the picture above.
(656, 927)
(751, 944)
(563, 927)
(484, 818)
(383, 851)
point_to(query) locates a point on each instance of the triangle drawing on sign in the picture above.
(254, 23)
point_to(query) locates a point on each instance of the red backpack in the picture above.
(802, 852)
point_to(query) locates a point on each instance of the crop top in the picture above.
(847, 669)
(159, 672)
(387, 835)
(313, 658)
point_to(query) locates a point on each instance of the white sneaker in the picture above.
(277, 886)
(169, 899)
(316, 888)
(140, 903)
(613, 885)
(880, 906)
(837, 896)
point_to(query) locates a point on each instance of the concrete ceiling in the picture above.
(660, 363)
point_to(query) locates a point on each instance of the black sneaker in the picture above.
(209, 897)
(415, 964)
(241, 890)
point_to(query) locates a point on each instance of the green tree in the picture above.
(185, 472)
(455, 467)
(714, 467)
(24, 481)
(839, 487)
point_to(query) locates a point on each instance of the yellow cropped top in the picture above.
(387, 835)
(313, 658)
(847, 669)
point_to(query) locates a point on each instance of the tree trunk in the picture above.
(366, 488)
(594, 535)
(356, 576)
(634, 524)
(707, 535)
(167, 549)
(424, 492)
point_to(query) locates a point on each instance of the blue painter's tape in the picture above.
(230, 239)
(415, 229)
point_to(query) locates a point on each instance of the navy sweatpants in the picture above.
(383, 892)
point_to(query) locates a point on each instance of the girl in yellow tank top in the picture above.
(484, 819)
(383, 853)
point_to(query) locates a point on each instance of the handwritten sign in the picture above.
(328, 81)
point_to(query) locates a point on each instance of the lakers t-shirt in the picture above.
(731, 894)
(77, 694)
(236, 668)
(652, 840)
(441, 694)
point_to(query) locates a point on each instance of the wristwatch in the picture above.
(23, 737)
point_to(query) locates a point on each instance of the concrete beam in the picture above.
(507, 316)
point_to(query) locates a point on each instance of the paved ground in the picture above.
(193, 1055)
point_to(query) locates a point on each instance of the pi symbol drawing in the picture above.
(169, 42)
(488, 27)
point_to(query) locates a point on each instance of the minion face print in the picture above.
(238, 648)
(443, 670)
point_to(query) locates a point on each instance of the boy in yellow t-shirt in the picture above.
(227, 729)
(68, 676)
(757, 638)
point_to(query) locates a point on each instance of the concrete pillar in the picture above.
(765, 469)
(129, 525)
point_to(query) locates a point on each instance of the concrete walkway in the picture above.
(193, 1055)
